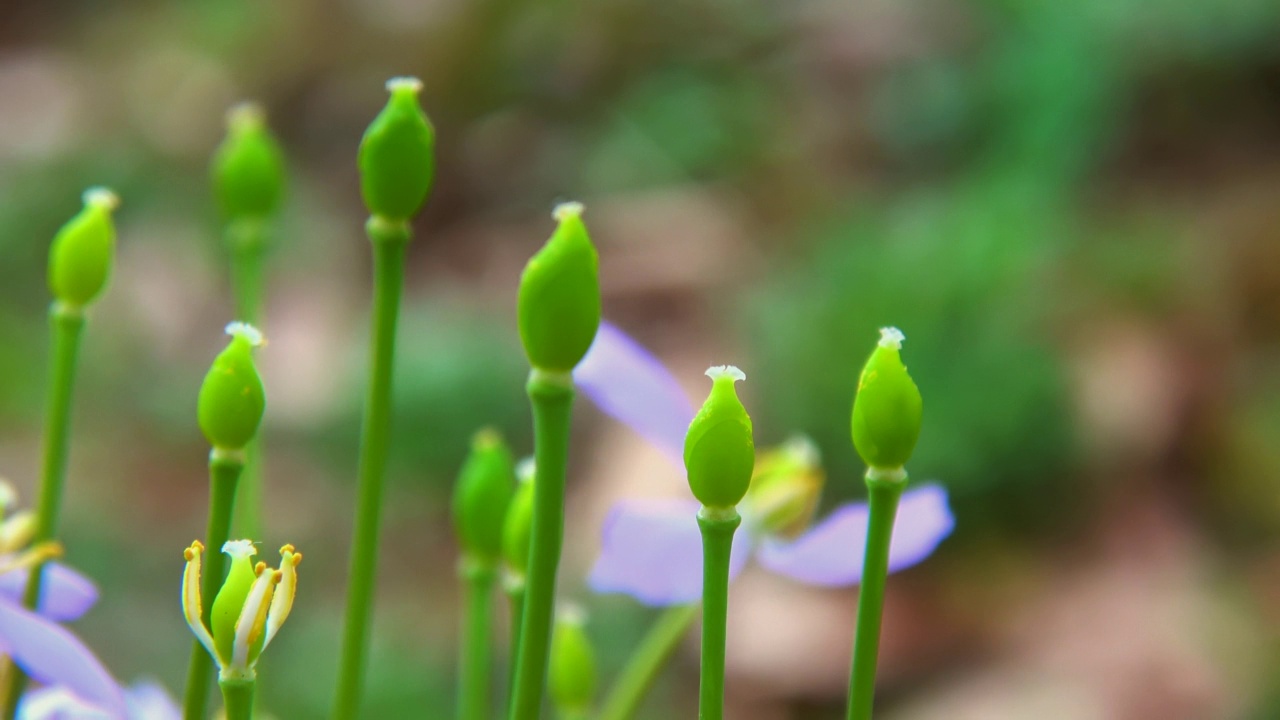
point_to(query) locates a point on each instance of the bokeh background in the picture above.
(1072, 210)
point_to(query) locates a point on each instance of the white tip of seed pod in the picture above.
(716, 372)
(566, 210)
(412, 84)
(101, 197)
(246, 331)
(891, 337)
(239, 548)
(247, 114)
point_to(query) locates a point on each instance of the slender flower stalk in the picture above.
(480, 504)
(653, 653)
(717, 527)
(80, 262)
(885, 427)
(396, 170)
(517, 529)
(230, 409)
(885, 490)
(719, 457)
(558, 314)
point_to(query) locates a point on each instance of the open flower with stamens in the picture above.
(652, 548)
(247, 612)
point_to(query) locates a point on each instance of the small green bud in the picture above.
(80, 258)
(571, 677)
(397, 155)
(484, 491)
(719, 452)
(248, 167)
(231, 398)
(517, 527)
(887, 407)
(559, 301)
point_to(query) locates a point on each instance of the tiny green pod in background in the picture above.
(81, 256)
(397, 155)
(232, 398)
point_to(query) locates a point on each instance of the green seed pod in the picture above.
(397, 155)
(887, 407)
(232, 398)
(517, 527)
(248, 167)
(483, 493)
(571, 677)
(719, 452)
(230, 599)
(559, 303)
(80, 258)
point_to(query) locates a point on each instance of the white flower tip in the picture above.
(406, 82)
(891, 337)
(566, 210)
(571, 613)
(246, 115)
(804, 450)
(8, 495)
(246, 331)
(239, 549)
(732, 372)
(102, 197)
(525, 470)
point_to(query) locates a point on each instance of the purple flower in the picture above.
(46, 651)
(145, 700)
(653, 549)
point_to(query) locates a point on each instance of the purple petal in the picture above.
(53, 656)
(148, 700)
(57, 703)
(831, 553)
(631, 385)
(64, 595)
(653, 552)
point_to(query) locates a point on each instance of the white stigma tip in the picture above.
(411, 84)
(8, 495)
(566, 210)
(246, 115)
(246, 331)
(239, 548)
(101, 197)
(730, 371)
(804, 450)
(571, 613)
(891, 337)
(525, 470)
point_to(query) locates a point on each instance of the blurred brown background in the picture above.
(1070, 208)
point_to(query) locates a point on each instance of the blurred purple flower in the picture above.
(46, 651)
(653, 549)
(144, 700)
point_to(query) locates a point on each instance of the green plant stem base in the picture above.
(237, 698)
(884, 491)
(66, 325)
(478, 579)
(641, 671)
(224, 476)
(718, 526)
(552, 398)
(514, 590)
(389, 242)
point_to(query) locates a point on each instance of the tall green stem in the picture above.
(717, 527)
(641, 671)
(884, 490)
(515, 605)
(66, 324)
(389, 242)
(237, 698)
(246, 241)
(474, 679)
(224, 475)
(552, 399)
